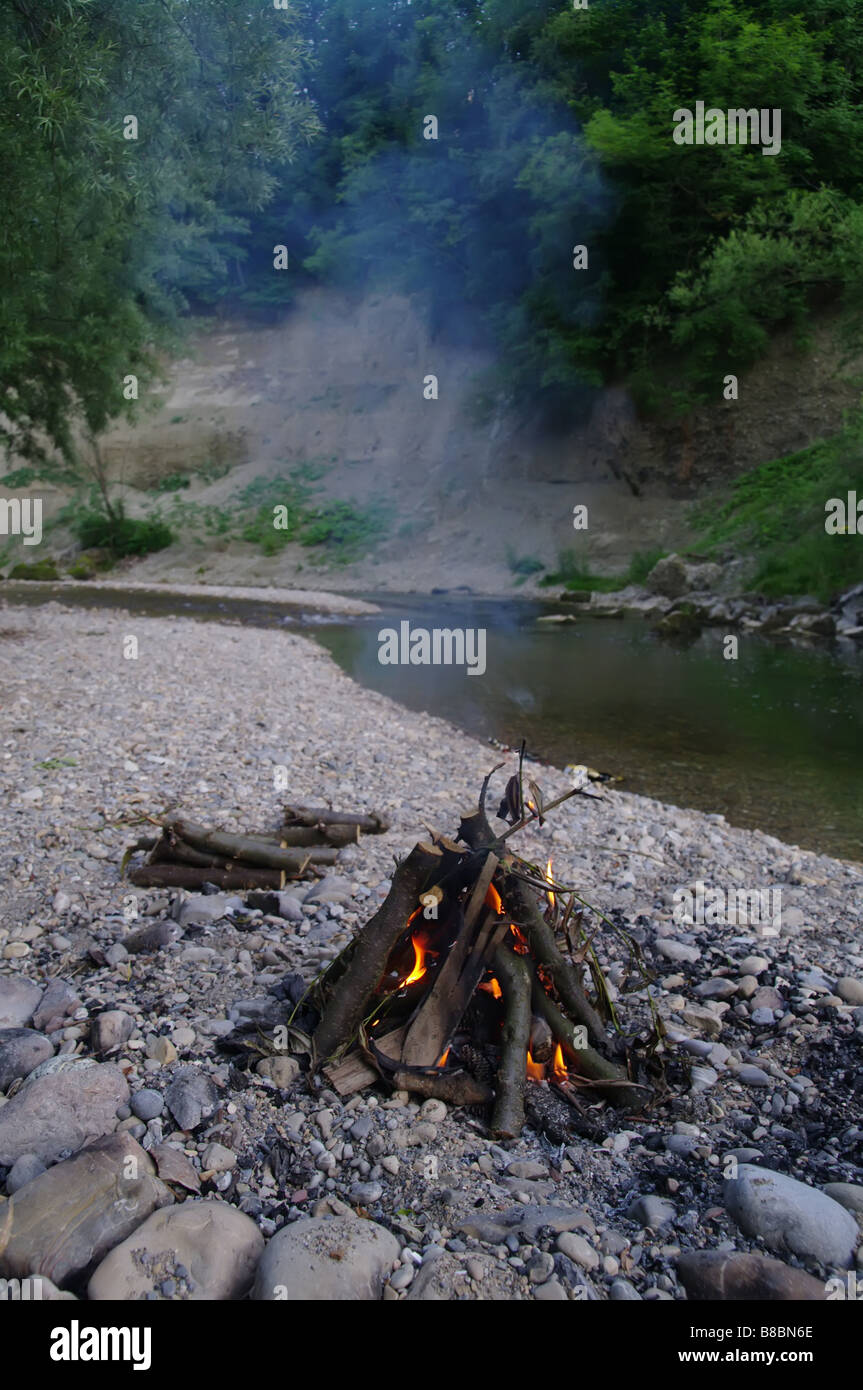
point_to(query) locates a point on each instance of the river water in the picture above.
(773, 740)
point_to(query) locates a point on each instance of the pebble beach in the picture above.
(744, 1173)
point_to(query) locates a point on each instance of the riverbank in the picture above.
(97, 743)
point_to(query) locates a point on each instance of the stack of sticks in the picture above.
(188, 855)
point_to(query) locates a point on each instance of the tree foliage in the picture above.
(555, 129)
(104, 238)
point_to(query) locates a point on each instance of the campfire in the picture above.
(467, 984)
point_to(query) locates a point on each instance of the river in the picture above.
(773, 740)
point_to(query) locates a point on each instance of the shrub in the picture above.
(122, 535)
(38, 569)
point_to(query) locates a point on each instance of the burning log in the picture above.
(541, 1039)
(456, 1088)
(346, 1007)
(589, 1062)
(476, 832)
(508, 1115)
(462, 958)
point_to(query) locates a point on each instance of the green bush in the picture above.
(343, 527)
(172, 482)
(122, 535)
(523, 565)
(37, 569)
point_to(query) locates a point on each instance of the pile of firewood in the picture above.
(467, 983)
(186, 855)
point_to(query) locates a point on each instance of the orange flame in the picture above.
(492, 899)
(549, 879)
(492, 987)
(521, 947)
(420, 945)
(558, 1065)
(535, 1070)
(442, 1061)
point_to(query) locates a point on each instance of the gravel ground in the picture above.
(246, 1178)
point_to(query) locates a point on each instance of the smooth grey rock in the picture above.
(623, 1292)
(18, 1001)
(66, 1220)
(527, 1169)
(552, 1291)
(753, 965)
(61, 1110)
(525, 1222)
(57, 1005)
(216, 1158)
(672, 576)
(716, 988)
(713, 1275)
(651, 1211)
(23, 1170)
(789, 1215)
(848, 1194)
(752, 1076)
(577, 1249)
(331, 889)
(767, 998)
(762, 1017)
(366, 1193)
(327, 1260)
(150, 938)
(850, 990)
(110, 1029)
(290, 908)
(677, 950)
(362, 1127)
(21, 1049)
(218, 1246)
(192, 1097)
(684, 1144)
(203, 908)
(147, 1104)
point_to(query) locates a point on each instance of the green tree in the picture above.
(105, 237)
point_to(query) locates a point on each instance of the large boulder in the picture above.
(716, 1276)
(18, 1000)
(201, 1251)
(21, 1050)
(672, 576)
(61, 1107)
(790, 1216)
(65, 1221)
(327, 1260)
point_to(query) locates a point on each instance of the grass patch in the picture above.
(776, 514)
(572, 574)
